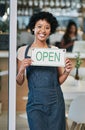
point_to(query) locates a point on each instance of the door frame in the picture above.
(12, 65)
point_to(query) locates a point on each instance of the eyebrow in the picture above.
(42, 24)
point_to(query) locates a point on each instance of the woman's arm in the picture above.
(63, 45)
(63, 73)
(21, 65)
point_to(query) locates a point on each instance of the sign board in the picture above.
(48, 57)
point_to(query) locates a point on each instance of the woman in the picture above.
(70, 36)
(45, 107)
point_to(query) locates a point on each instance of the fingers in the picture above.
(26, 62)
(68, 65)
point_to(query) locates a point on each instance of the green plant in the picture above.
(77, 65)
(78, 60)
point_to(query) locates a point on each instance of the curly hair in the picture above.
(43, 16)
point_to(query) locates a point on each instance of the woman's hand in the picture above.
(68, 65)
(21, 69)
(24, 63)
(63, 75)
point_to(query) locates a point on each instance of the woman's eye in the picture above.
(47, 28)
(39, 26)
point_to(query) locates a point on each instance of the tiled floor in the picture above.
(21, 122)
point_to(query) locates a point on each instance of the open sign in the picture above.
(48, 57)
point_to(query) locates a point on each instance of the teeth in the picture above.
(42, 35)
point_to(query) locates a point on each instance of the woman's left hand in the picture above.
(68, 65)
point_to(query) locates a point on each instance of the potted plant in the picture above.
(77, 65)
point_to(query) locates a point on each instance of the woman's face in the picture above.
(72, 29)
(42, 30)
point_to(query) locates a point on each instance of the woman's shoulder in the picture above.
(21, 48)
(21, 52)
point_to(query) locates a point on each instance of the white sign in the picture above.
(48, 57)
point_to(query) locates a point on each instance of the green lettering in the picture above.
(51, 56)
(39, 56)
(45, 54)
(57, 56)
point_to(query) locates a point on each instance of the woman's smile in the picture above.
(42, 30)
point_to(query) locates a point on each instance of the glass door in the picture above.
(22, 38)
(8, 28)
(4, 58)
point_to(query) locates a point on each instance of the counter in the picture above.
(73, 55)
(5, 54)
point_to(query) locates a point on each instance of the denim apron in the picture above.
(45, 106)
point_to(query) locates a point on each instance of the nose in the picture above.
(43, 29)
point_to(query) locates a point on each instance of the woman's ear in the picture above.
(33, 31)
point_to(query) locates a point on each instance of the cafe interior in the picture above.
(73, 88)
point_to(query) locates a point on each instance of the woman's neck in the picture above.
(39, 44)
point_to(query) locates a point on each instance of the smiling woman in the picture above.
(45, 105)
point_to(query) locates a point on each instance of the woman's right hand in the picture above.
(21, 69)
(24, 63)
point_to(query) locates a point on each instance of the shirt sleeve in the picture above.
(21, 53)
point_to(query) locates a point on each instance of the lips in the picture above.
(42, 35)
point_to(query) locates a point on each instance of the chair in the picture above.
(77, 113)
